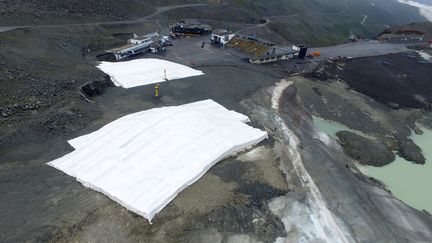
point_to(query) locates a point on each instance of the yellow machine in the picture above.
(156, 90)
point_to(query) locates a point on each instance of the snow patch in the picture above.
(145, 71)
(323, 137)
(258, 153)
(424, 55)
(315, 219)
(143, 160)
(425, 10)
(278, 91)
(323, 225)
(301, 223)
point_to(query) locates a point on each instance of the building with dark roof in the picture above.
(190, 29)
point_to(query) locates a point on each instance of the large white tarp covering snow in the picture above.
(143, 160)
(145, 71)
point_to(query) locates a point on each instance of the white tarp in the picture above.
(145, 71)
(143, 160)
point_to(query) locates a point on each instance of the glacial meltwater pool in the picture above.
(332, 127)
(409, 182)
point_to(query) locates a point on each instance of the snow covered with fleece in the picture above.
(143, 160)
(145, 71)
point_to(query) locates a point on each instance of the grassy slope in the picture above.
(313, 22)
(324, 22)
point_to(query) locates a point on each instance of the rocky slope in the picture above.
(313, 22)
(25, 12)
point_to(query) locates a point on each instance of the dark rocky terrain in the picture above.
(41, 70)
(355, 146)
(364, 95)
(360, 199)
(51, 91)
(375, 128)
(390, 79)
(45, 71)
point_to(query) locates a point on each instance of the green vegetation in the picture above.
(325, 22)
(312, 22)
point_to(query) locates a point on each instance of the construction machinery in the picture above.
(316, 53)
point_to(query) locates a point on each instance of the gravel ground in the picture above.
(228, 204)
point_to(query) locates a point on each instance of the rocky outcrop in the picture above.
(365, 150)
(405, 148)
(96, 88)
(410, 151)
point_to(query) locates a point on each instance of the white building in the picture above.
(128, 50)
(139, 44)
(148, 38)
(221, 37)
